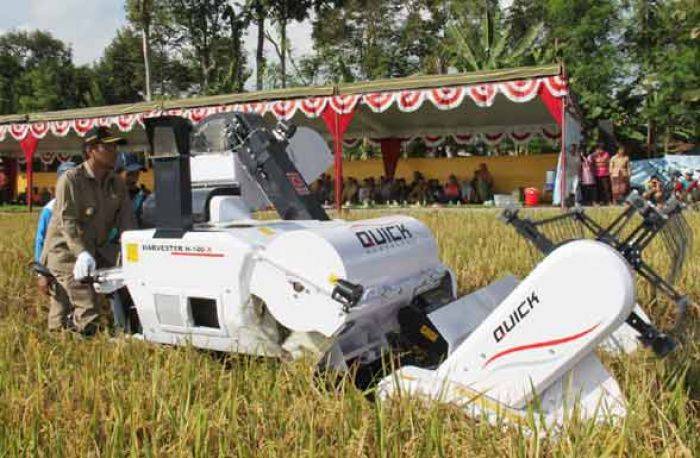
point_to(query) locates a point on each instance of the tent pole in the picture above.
(564, 165)
(338, 140)
(29, 145)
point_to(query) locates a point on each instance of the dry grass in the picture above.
(61, 396)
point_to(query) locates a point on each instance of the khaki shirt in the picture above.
(620, 166)
(84, 213)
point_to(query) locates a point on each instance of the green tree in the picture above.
(361, 39)
(120, 71)
(37, 74)
(10, 71)
(141, 13)
(204, 39)
(282, 12)
(239, 20)
(662, 46)
(258, 10)
(482, 39)
(586, 35)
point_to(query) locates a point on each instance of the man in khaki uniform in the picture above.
(91, 200)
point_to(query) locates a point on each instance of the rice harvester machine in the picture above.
(351, 293)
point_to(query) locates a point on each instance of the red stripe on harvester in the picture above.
(204, 255)
(547, 343)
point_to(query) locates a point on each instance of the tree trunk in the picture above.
(145, 37)
(283, 56)
(237, 55)
(146, 62)
(650, 137)
(259, 55)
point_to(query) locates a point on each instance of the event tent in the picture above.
(493, 105)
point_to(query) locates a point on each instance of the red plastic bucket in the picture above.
(532, 197)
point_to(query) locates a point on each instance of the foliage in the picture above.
(36, 73)
(487, 43)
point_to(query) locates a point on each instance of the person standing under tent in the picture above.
(4, 184)
(90, 200)
(484, 183)
(601, 170)
(588, 184)
(620, 172)
(452, 190)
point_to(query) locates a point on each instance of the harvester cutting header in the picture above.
(353, 293)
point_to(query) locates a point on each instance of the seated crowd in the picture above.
(421, 190)
(40, 197)
(683, 186)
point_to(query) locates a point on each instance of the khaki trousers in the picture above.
(66, 292)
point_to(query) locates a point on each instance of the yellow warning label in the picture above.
(428, 333)
(264, 230)
(132, 252)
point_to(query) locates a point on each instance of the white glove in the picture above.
(84, 266)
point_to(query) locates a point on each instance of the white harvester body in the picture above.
(233, 287)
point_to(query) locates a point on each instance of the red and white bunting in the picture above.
(447, 98)
(463, 139)
(63, 157)
(379, 102)
(196, 115)
(483, 94)
(174, 112)
(39, 129)
(313, 106)
(520, 137)
(410, 101)
(126, 122)
(284, 109)
(60, 128)
(105, 122)
(556, 85)
(3, 132)
(521, 91)
(344, 104)
(493, 138)
(433, 141)
(259, 107)
(218, 109)
(351, 142)
(82, 126)
(47, 158)
(230, 108)
(151, 114)
(19, 131)
(554, 134)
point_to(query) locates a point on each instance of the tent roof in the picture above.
(459, 79)
(412, 82)
(486, 104)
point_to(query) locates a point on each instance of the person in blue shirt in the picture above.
(43, 225)
(129, 168)
(45, 216)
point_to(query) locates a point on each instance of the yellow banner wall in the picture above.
(509, 172)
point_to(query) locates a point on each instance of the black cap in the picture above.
(102, 134)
